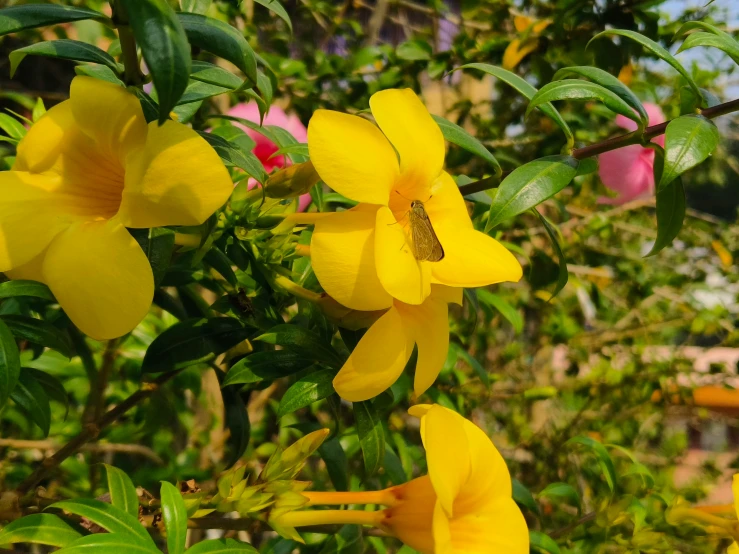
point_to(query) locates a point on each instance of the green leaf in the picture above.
(712, 37)
(277, 8)
(471, 361)
(271, 364)
(10, 363)
(601, 454)
(563, 275)
(529, 185)
(102, 72)
(670, 214)
(122, 491)
(234, 156)
(197, 91)
(523, 497)
(371, 436)
(414, 50)
(561, 492)
(337, 465)
(47, 529)
(301, 340)
(51, 385)
(607, 81)
(191, 342)
(10, 289)
(174, 514)
(214, 75)
(689, 140)
(306, 391)
(12, 127)
(504, 307)
(347, 541)
(31, 396)
(19, 18)
(38, 110)
(39, 332)
(653, 47)
(158, 245)
(576, 89)
(457, 135)
(195, 6)
(107, 516)
(542, 543)
(221, 546)
(113, 543)
(222, 40)
(265, 88)
(164, 45)
(236, 420)
(523, 87)
(64, 49)
(222, 264)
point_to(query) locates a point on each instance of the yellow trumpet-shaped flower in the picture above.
(87, 170)
(382, 353)
(365, 257)
(463, 506)
(734, 548)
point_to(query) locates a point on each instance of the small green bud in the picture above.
(292, 181)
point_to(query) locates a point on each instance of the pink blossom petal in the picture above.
(627, 171)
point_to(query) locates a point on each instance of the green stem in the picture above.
(133, 74)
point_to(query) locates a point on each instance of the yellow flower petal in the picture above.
(446, 206)
(31, 215)
(343, 258)
(415, 135)
(402, 276)
(428, 325)
(101, 278)
(515, 52)
(733, 549)
(108, 114)
(502, 528)
(411, 519)
(419, 410)
(473, 259)
(377, 361)
(450, 295)
(43, 144)
(31, 271)
(447, 454)
(352, 156)
(441, 531)
(176, 179)
(735, 490)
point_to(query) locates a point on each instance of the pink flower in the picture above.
(264, 147)
(629, 171)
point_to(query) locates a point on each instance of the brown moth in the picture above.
(426, 245)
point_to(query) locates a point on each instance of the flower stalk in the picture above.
(133, 74)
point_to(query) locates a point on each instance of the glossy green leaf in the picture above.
(542, 543)
(110, 543)
(122, 491)
(710, 36)
(601, 455)
(107, 516)
(165, 48)
(39, 332)
(32, 398)
(12, 127)
(51, 385)
(529, 185)
(214, 75)
(523, 87)
(523, 497)
(576, 89)
(563, 274)
(689, 140)
(236, 420)
(371, 436)
(264, 84)
(268, 365)
(63, 49)
(174, 514)
(561, 492)
(306, 391)
(192, 342)
(609, 82)
(463, 354)
(234, 156)
(414, 50)
(278, 10)
(348, 540)
(653, 47)
(457, 135)
(671, 208)
(337, 465)
(47, 529)
(222, 40)
(158, 245)
(689, 102)
(195, 6)
(197, 91)
(301, 340)
(29, 16)
(503, 306)
(221, 546)
(10, 289)
(10, 363)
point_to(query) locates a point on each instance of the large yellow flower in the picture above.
(364, 257)
(89, 168)
(382, 353)
(463, 506)
(734, 548)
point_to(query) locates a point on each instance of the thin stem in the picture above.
(91, 431)
(608, 145)
(383, 497)
(324, 517)
(133, 74)
(295, 289)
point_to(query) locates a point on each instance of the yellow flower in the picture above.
(364, 257)
(382, 353)
(463, 506)
(89, 168)
(734, 548)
